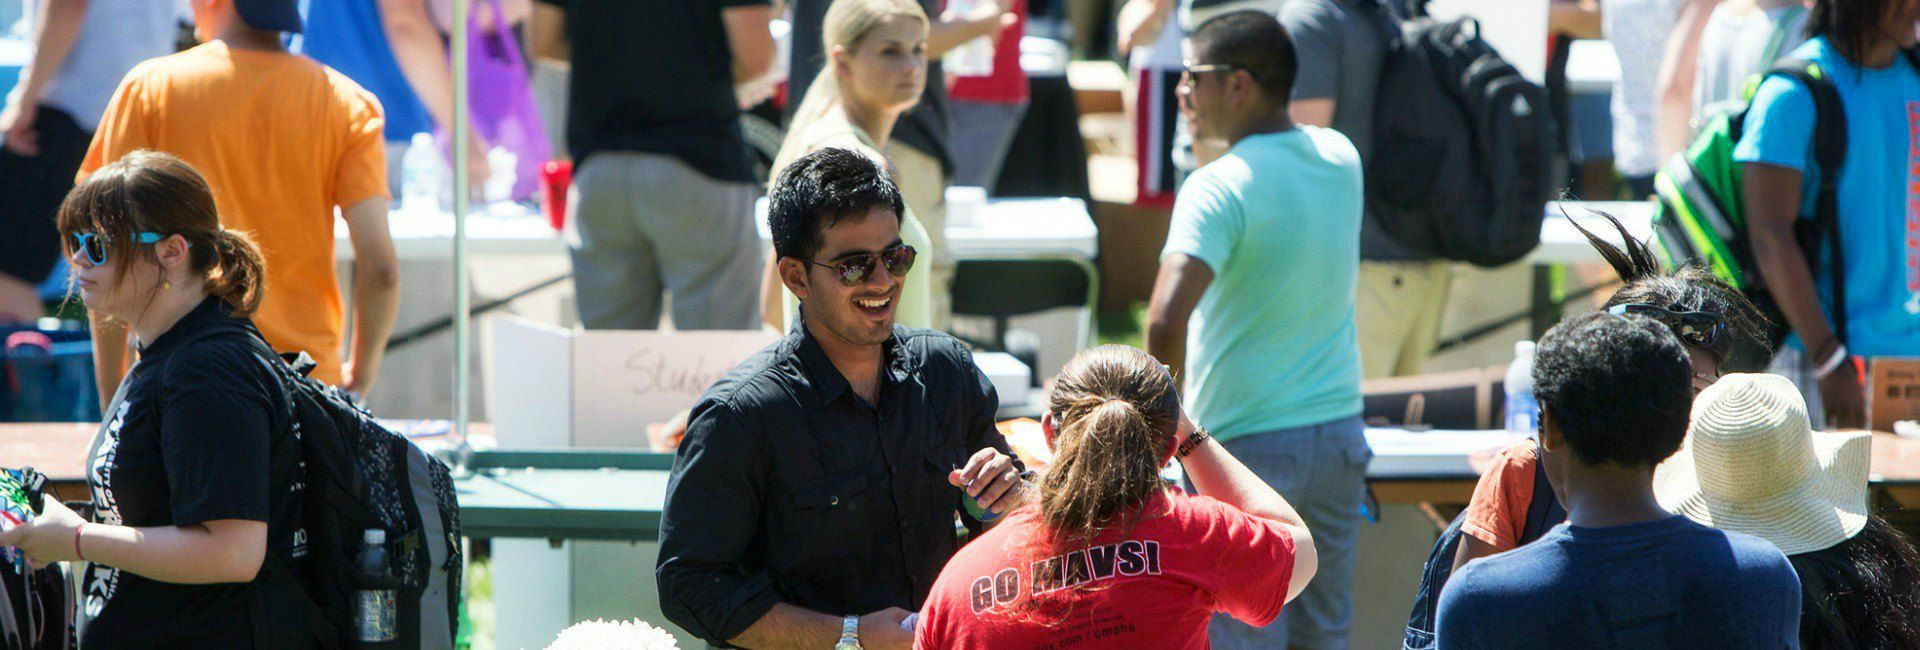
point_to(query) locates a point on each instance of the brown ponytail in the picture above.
(239, 272)
(1116, 412)
(150, 191)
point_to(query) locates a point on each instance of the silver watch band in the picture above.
(849, 632)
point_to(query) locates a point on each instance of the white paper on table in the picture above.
(1440, 442)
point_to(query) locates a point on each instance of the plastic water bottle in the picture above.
(501, 175)
(420, 176)
(376, 612)
(973, 58)
(1523, 413)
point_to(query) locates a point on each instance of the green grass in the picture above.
(479, 604)
(1125, 327)
(71, 309)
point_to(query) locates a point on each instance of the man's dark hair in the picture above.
(1619, 388)
(821, 189)
(1252, 41)
(1850, 25)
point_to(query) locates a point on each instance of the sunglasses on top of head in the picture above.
(94, 245)
(853, 270)
(1696, 328)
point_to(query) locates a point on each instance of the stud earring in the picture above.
(166, 284)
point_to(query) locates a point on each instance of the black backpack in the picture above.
(1463, 145)
(1543, 513)
(36, 607)
(360, 475)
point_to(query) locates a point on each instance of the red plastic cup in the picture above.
(555, 177)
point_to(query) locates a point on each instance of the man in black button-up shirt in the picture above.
(819, 481)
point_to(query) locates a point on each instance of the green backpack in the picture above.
(1699, 214)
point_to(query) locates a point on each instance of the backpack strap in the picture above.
(13, 633)
(1543, 509)
(1829, 153)
(1422, 621)
(1387, 18)
(243, 328)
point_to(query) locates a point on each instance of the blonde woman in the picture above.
(876, 69)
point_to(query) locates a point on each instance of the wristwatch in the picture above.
(1194, 440)
(849, 634)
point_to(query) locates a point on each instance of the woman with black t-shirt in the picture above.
(193, 473)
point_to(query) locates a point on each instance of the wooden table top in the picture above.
(59, 449)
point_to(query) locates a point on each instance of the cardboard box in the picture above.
(553, 387)
(1131, 237)
(1463, 399)
(1011, 378)
(1098, 86)
(1893, 391)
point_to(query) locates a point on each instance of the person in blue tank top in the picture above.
(1867, 48)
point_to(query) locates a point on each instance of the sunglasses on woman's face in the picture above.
(1696, 328)
(94, 245)
(854, 269)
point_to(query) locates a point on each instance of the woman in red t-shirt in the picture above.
(1112, 555)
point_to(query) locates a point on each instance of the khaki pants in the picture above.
(1398, 314)
(924, 186)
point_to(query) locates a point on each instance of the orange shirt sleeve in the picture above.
(123, 128)
(361, 172)
(1498, 510)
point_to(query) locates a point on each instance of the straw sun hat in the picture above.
(1751, 464)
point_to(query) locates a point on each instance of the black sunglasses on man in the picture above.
(854, 268)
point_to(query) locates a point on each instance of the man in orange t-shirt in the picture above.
(283, 141)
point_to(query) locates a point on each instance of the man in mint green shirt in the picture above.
(1254, 302)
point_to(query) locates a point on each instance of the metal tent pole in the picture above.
(462, 320)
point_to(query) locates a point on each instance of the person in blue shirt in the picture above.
(396, 50)
(1615, 395)
(1867, 48)
(351, 36)
(1255, 301)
